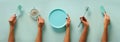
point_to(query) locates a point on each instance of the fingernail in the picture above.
(66, 18)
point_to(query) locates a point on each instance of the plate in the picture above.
(57, 18)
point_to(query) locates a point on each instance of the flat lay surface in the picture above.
(26, 27)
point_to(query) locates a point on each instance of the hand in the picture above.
(84, 21)
(106, 19)
(40, 22)
(12, 20)
(68, 21)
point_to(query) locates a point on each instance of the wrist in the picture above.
(86, 26)
(39, 26)
(105, 26)
(11, 27)
(67, 26)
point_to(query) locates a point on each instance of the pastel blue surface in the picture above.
(57, 18)
(26, 28)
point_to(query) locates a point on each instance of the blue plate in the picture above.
(57, 18)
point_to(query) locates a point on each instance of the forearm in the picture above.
(105, 34)
(67, 36)
(11, 34)
(83, 37)
(39, 35)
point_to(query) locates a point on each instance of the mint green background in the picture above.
(26, 28)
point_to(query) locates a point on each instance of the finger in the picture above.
(14, 14)
(105, 15)
(11, 18)
(84, 19)
(38, 18)
(14, 17)
(81, 18)
(68, 16)
(14, 21)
